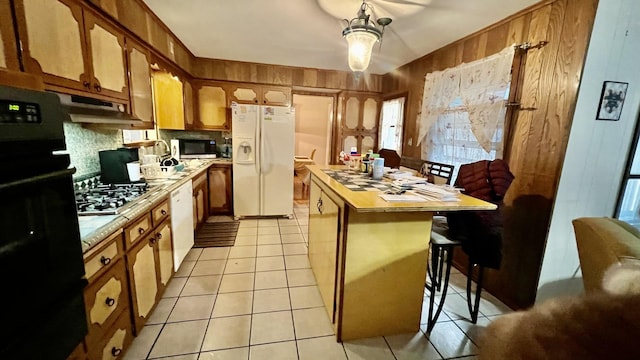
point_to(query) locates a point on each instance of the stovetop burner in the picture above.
(108, 199)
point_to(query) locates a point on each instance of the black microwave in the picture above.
(193, 149)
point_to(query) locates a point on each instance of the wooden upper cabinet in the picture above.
(213, 113)
(168, 100)
(276, 95)
(53, 42)
(72, 48)
(108, 60)
(8, 47)
(244, 93)
(260, 94)
(140, 83)
(188, 105)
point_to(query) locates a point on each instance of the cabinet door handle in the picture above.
(86, 84)
(152, 241)
(105, 260)
(320, 206)
(116, 351)
(97, 87)
(163, 212)
(158, 236)
(110, 301)
(140, 230)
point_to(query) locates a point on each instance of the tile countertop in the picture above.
(95, 228)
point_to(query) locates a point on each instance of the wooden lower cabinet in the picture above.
(220, 189)
(141, 263)
(150, 267)
(105, 300)
(200, 200)
(127, 275)
(164, 250)
(324, 230)
(115, 342)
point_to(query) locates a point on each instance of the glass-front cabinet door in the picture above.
(358, 113)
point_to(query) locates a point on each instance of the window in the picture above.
(463, 112)
(628, 207)
(451, 139)
(391, 125)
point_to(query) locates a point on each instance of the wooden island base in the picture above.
(369, 256)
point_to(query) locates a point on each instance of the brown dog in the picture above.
(595, 326)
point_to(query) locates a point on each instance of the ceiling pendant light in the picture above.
(361, 34)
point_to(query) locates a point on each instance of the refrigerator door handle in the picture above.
(262, 153)
(260, 138)
(266, 163)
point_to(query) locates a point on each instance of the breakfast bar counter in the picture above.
(369, 256)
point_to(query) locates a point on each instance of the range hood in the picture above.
(93, 111)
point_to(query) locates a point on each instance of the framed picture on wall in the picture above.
(611, 100)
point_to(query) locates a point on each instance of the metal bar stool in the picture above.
(442, 248)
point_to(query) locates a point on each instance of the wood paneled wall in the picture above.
(136, 17)
(538, 138)
(284, 75)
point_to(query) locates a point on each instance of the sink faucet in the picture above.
(161, 148)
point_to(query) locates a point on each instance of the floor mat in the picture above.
(217, 234)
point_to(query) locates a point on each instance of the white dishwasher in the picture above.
(182, 222)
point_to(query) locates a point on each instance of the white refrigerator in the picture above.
(263, 139)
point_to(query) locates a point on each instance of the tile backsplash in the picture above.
(83, 145)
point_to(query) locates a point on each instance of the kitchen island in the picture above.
(369, 256)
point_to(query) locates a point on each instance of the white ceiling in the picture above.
(308, 33)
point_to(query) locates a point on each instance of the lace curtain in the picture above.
(463, 110)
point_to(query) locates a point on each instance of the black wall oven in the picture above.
(42, 307)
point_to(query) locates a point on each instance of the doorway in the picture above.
(314, 119)
(313, 139)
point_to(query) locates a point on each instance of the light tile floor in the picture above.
(259, 300)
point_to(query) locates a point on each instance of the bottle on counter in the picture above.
(378, 168)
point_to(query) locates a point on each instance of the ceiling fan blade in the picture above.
(408, 2)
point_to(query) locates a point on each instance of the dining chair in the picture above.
(471, 230)
(391, 158)
(439, 173)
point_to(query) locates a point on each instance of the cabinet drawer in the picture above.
(98, 262)
(139, 229)
(105, 300)
(160, 212)
(115, 341)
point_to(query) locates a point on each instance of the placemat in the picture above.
(356, 180)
